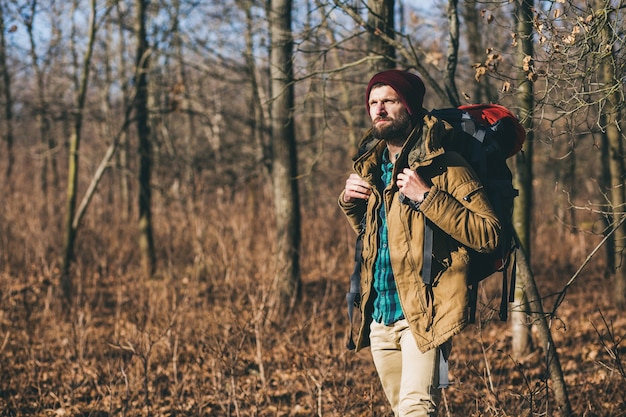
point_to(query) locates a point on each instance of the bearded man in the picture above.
(404, 178)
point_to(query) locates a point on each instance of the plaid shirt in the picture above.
(387, 308)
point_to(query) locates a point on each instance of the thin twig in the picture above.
(584, 264)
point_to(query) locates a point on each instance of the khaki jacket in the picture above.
(463, 218)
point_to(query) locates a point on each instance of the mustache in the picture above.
(383, 118)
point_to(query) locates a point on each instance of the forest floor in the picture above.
(192, 346)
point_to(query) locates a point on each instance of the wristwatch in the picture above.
(415, 205)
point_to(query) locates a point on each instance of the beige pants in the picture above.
(409, 377)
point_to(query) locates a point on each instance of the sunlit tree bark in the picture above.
(537, 313)
(380, 19)
(409, 55)
(523, 160)
(521, 337)
(480, 92)
(527, 297)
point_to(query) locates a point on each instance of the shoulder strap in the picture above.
(427, 265)
(353, 297)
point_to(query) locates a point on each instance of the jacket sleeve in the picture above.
(353, 211)
(458, 205)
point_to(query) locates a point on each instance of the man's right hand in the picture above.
(356, 188)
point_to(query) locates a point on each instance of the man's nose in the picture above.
(380, 108)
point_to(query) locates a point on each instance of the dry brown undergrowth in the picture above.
(196, 341)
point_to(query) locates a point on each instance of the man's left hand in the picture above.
(412, 185)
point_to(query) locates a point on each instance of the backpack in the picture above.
(486, 135)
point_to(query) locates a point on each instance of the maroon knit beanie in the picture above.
(408, 86)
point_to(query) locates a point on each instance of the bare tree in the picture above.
(409, 52)
(523, 173)
(527, 294)
(524, 169)
(81, 83)
(256, 110)
(453, 53)
(336, 60)
(8, 99)
(552, 357)
(43, 112)
(181, 97)
(380, 20)
(142, 63)
(612, 130)
(481, 92)
(122, 154)
(287, 280)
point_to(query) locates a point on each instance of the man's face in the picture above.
(390, 119)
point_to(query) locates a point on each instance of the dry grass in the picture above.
(196, 339)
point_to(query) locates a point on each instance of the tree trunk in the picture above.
(352, 118)
(146, 240)
(70, 230)
(287, 282)
(453, 53)
(610, 120)
(381, 20)
(529, 286)
(258, 124)
(8, 100)
(408, 54)
(524, 159)
(480, 92)
(521, 337)
(183, 83)
(123, 152)
(607, 217)
(526, 293)
(41, 115)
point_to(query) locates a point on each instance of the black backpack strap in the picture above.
(504, 306)
(427, 266)
(444, 356)
(473, 301)
(513, 274)
(353, 297)
(512, 264)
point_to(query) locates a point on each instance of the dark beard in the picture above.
(395, 132)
